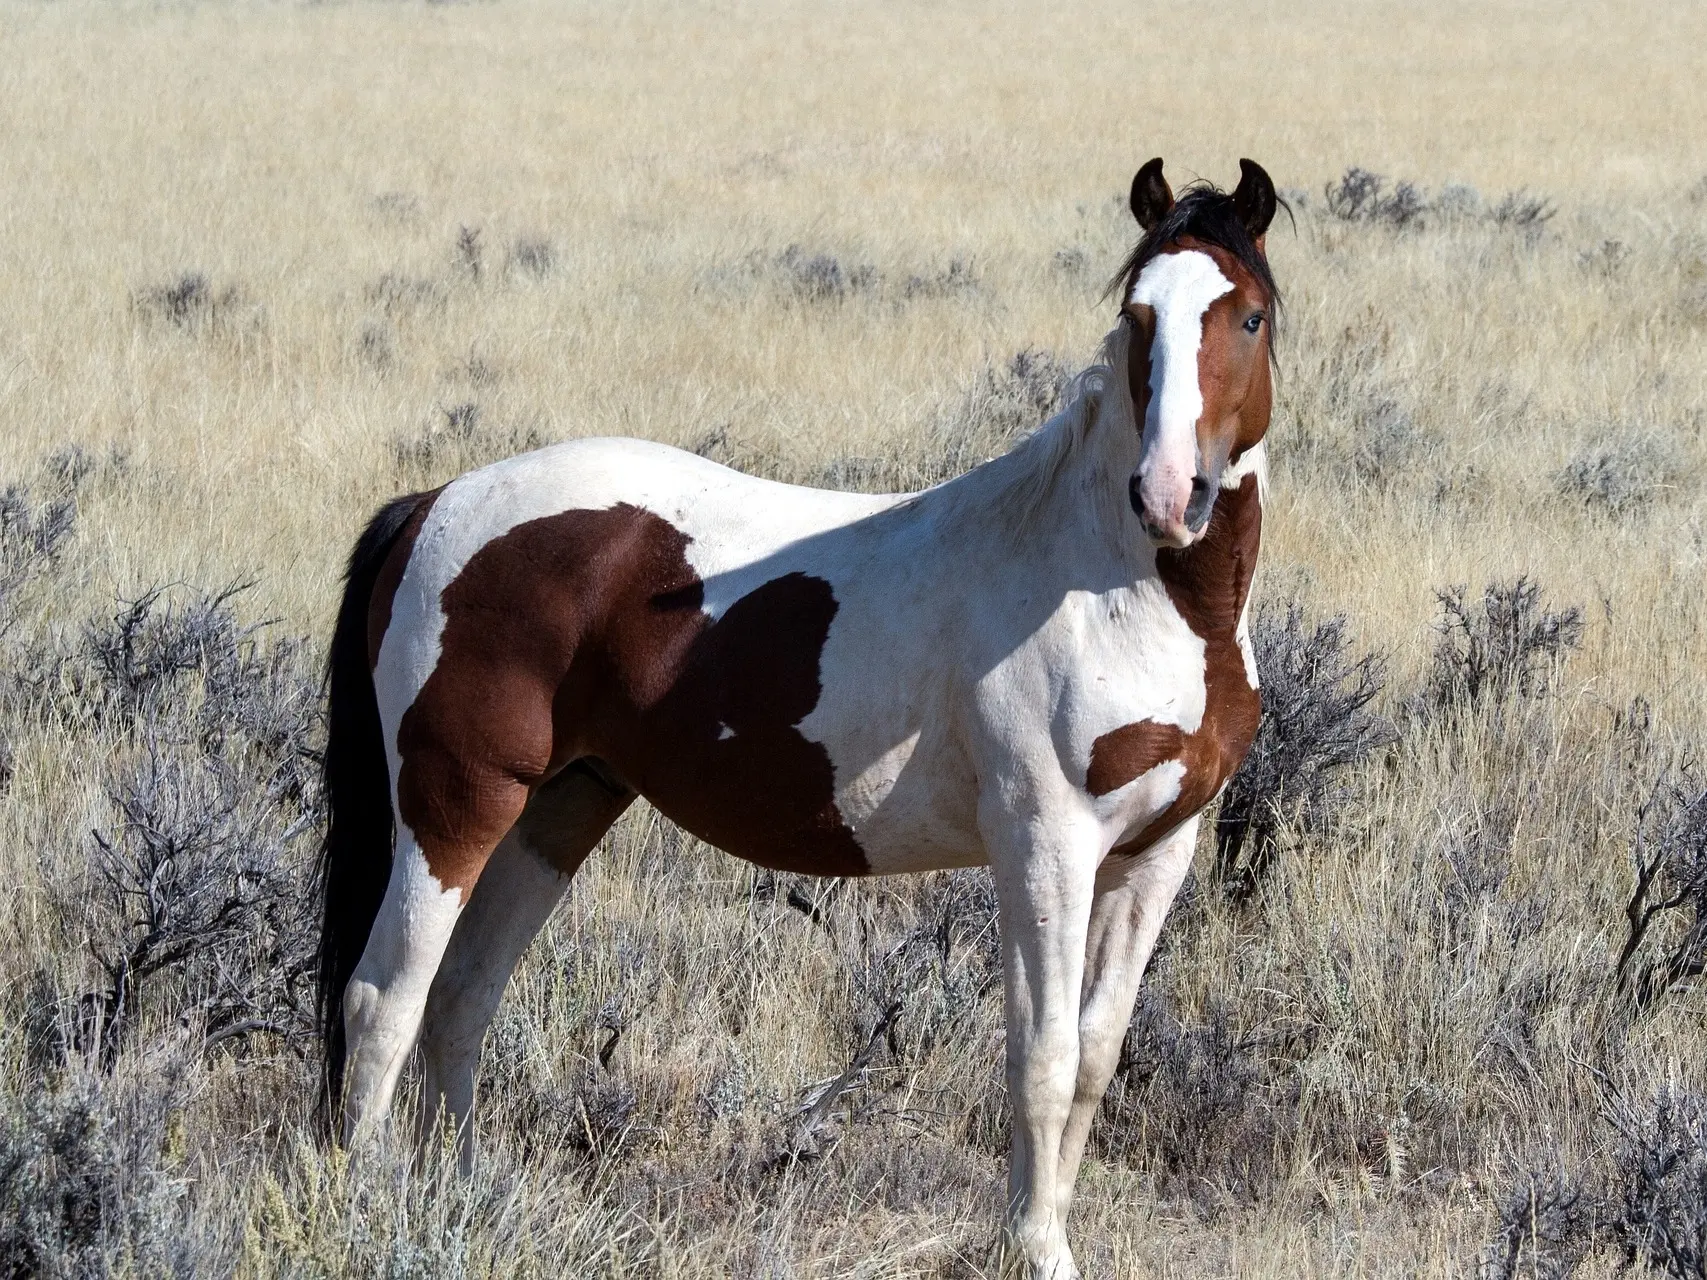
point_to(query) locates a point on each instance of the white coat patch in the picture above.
(1253, 462)
(1179, 288)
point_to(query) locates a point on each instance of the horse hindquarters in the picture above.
(460, 797)
(395, 885)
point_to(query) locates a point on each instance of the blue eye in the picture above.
(1254, 323)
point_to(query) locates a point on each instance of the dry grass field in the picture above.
(264, 265)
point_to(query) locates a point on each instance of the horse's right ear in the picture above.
(1151, 195)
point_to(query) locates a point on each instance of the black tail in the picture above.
(355, 860)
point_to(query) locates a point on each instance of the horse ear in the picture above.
(1254, 200)
(1151, 195)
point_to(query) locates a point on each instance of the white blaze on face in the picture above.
(1179, 288)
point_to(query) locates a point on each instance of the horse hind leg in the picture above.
(521, 885)
(433, 872)
(388, 991)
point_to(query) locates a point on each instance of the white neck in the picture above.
(1064, 489)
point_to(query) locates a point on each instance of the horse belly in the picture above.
(775, 797)
(768, 826)
(913, 808)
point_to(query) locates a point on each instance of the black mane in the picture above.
(1205, 211)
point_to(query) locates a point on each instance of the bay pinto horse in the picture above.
(1042, 666)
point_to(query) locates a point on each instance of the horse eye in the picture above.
(1254, 323)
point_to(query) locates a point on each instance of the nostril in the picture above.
(1202, 499)
(1137, 498)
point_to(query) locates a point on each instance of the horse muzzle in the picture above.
(1173, 514)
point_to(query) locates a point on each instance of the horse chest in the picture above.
(1149, 775)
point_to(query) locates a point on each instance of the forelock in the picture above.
(1204, 213)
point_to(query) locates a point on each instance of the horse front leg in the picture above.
(1133, 894)
(1044, 882)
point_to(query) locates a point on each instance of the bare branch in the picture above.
(804, 1143)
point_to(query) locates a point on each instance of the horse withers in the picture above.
(1042, 666)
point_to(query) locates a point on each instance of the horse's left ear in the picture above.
(1254, 198)
(1151, 197)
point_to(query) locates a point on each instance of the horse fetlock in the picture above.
(1037, 1249)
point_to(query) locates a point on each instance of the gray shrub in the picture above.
(1660, 1207)
(190, 303)
(1315, 723)
(196, 897)
(1360, 195)
(1504, 643)
(32, 534)
(197, 883)
(1546, 1227)
(533, 256)
(470, 253)
(463, 436)
(959, 276)
(938, 973)
(84, 1191)
(1191, 1102)
(1666, 942)
(1521, 211)
(822, 277)
(1621, 471)
(375, 346)
(594, 1116)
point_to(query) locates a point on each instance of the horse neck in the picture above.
(1062, 497)
(1209, 582)
(1061, 491)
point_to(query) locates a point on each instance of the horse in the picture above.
(1042, 666)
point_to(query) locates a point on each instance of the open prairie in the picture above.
(263, 266)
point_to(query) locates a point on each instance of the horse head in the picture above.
(1199, 301)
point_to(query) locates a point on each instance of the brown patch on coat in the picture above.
(391, 575)
(583, 634)
(1208, 583)
(1130, 751)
